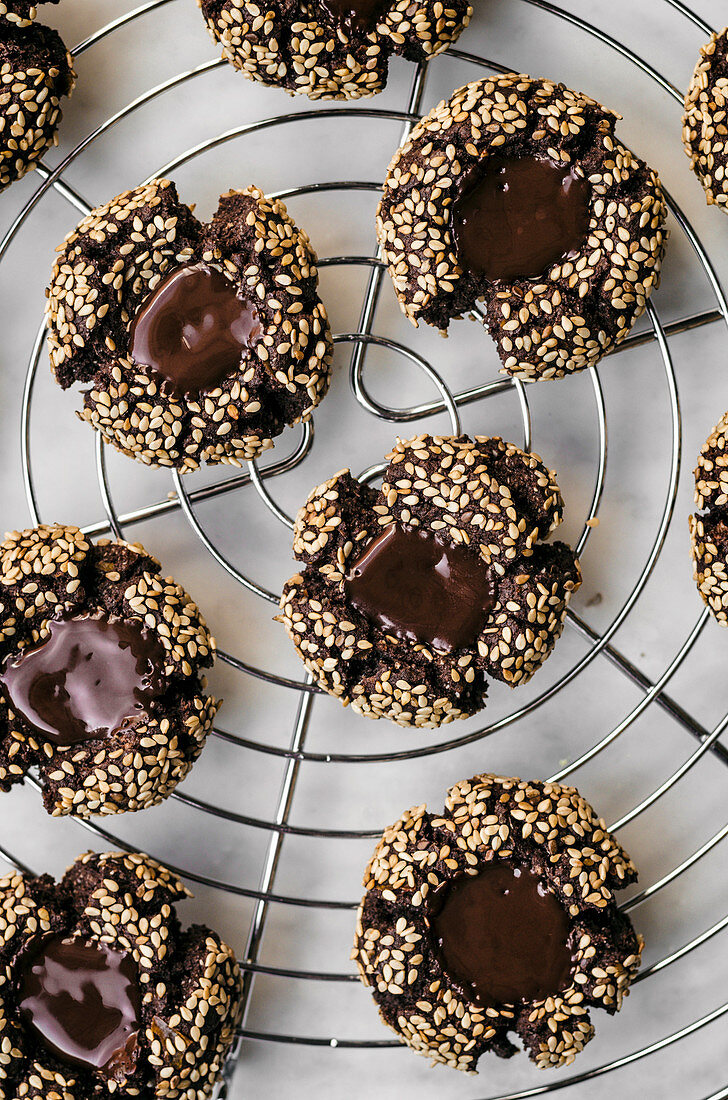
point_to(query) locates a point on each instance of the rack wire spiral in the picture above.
(187, 498)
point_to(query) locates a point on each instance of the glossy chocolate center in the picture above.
(91, 675)
(502, 936)
(516, 217)
(421, 589)
(360, 15)
(193, 329)
(81, 998)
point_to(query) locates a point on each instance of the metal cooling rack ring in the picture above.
(260, 477)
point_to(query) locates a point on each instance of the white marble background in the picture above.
(652, 745)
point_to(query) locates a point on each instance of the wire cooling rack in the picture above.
(600, 714)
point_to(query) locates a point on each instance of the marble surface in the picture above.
(641, 390)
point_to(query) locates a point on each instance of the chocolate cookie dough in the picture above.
(515, 193)
(198, 343)
(103, 994)
(331, 49)
(705, 122)
(36, 72)
(100, 673)
(413, 595)
(497, 916)
(709, 529)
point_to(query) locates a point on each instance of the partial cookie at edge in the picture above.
(709, 528)
(705, 122)
(305, 50)
(52, 572)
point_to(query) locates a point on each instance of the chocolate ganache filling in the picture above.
(193, 329)
(516, 217)
(421, 589)
(360, 15)
(502, 936)
(91, 676)
(81, 999)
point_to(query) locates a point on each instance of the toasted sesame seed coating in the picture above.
(53, 572)
(705, 122)
(567, 319)
(484, 494)
(21, 12)
(36, 71)
(554, 833)
(105, 271)
(190, 983)
(303, 48)
(709, 531)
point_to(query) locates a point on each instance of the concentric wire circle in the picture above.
(187, 497)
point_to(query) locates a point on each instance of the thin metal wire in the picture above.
(273, 853)
(361, 340)
(267, 499)
(671, 876)
(14, 861)
(220, 558)
(619, 1063)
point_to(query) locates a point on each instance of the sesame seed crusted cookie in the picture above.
(709, 530)
(121, 256)
(705, 122)
(484, 505)
(53, 580)
(36, 71)
(547, 831)
(331, 49)
(186, 983)
(581, 306)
